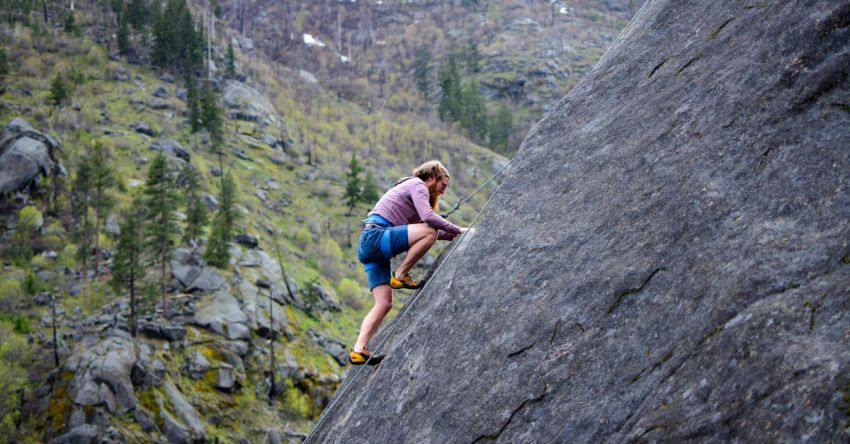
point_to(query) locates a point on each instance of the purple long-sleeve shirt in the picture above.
(408, 203)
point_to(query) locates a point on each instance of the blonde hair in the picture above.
(435, 169)
(432, 168)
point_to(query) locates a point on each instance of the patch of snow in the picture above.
(309, 40)
(564, 10)
(344, 59)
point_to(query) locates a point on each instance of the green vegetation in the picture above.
(177, 44)
(160, 204)
(305, 208)
(127, 267)
(59, 91)
(218, 248)
(196, 210)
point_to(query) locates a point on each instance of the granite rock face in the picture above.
(666, 260)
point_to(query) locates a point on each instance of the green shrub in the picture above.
(303, 238)
(10, 293)
(32, 284)
(21, 324)
(329, 258)
(351, 293)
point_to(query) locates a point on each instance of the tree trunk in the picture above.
(85, 251)
(271, 344)
(96, 263)
(163, 260)
(134, 329)
(44, 3)
(55, 341)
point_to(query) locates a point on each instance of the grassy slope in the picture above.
(388, 144)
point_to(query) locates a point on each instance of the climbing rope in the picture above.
(622, 33)
(463, 201)
(409, 306)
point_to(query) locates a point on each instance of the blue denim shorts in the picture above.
(377, 246)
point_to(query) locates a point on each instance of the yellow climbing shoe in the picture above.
(405, 282)
(360, 358)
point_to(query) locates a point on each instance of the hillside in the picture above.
(528, 54)
(667, 260)
(205, 371)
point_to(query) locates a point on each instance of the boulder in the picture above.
(120, 75)
(207, 281)
(315, 298)
(102, 375)
(227, 380)
(336, 349)
(84, 434)
(210, 201)
(161, 92)
(142, 128)
(171, 148)
(223, 315)
(667, 258)
(157, 330)
(243, 102)
(198, 365)
(26, 156)
(248, 240)
(181, 423)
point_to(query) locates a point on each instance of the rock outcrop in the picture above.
(666, 260)
(26, 156)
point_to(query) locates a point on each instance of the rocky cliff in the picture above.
(667, 259)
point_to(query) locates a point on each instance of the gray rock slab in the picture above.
(208, 280)
(223, 315)
(189, 420)
(102, 374)
(665, 260)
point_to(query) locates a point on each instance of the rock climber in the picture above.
(404, 219)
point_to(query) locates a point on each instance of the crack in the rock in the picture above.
(631, 291)
(657, 67)
(495, 436)
(690, 62)
(528, 347)
(555, 331)
(714, 33)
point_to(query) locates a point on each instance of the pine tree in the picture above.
(177, 44)
(194, 103)
(352, 186)
(160, 204)
(472, 57)
(136, 14)
(59, 92)
(196, 211)
(127, 267)
(123, 36)
(449, 107)
(501, 128)
(231, 61)
(218, 247)
(212, 116)
(102, 180)
(422, 71)
(473, 114)
(82, 198)
(4, 70)
(370, 193)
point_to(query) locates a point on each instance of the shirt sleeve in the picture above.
(420, 197)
